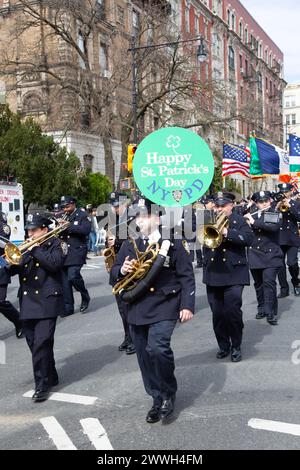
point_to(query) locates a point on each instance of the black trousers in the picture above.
(40, 339)
(7, 309)
(122, 306)
(225, 303)
(265, 288)
(156, 358)
(291, 257)
(71, 277)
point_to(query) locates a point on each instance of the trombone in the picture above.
(13, 254)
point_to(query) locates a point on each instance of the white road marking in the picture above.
(275, 426)
(57, 434)
(67, 397)
(96, 433)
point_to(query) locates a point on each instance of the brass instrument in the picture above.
(13, 253)
(283, 206)
(109, 255)
(142, 265)
(213, 232)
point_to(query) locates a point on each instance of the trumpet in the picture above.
(213, 236)
(13, 254)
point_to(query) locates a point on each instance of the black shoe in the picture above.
(281, 295)
(222, 353)
(40, 395)
(19, 332)
(153, 415)
(259, 316)
(272, 320)
(84, 305)
(123, 345)
(297, 290)
(130, 349)
(166, 410)
(236, 355)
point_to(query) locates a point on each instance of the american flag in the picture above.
(294, 142)
(236, 159)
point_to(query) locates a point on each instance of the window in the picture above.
(290, 101)
(231, 60)
(266, 56)
(293, 119)
(120, 15)
(260, 51)
(196, 24)
(246, 35)
(233, 22)
(187, 19)
(241, 30)
(17, 204)
(216, 43)
(103, 57)
(259, 81)
(135, 23)
(228, 17)
(82, 47)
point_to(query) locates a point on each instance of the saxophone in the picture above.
(109, 255)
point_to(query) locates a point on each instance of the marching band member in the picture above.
(153, 317)
(6, 307)
(75, 236)
(118, 201)
(265, 255)
(289, 241)
(41, 301)
(225, 273)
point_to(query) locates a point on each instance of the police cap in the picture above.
(37, 221)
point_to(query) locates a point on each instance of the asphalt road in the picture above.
(216, 399)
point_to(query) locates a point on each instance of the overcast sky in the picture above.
(281, 21)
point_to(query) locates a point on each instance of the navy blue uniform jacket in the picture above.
(227, 265)
(76, 237)
(265, 251)
(172, 290)
(289, 234)
(40, 293)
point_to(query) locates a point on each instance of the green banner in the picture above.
(173, 167)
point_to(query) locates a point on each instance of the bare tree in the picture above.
(54, 41)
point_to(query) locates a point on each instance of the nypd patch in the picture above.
(64, 248)
(6, 229)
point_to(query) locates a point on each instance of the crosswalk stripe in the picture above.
(57, 433)
(67, 397)
(96, 433)
(275, 426)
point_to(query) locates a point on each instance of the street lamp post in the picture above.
(201, 56)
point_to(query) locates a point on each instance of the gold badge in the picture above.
(186, 246)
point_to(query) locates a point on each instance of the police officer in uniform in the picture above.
(153, 317)
(225, 273)
(265, 255)
(6, 308)
(75, 236)
(120, 221)
(41, 301)
(289, 241)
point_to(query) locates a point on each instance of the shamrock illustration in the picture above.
(173, 142)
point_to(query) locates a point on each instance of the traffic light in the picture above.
(130, 155)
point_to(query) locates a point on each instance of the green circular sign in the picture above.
(173, 167)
